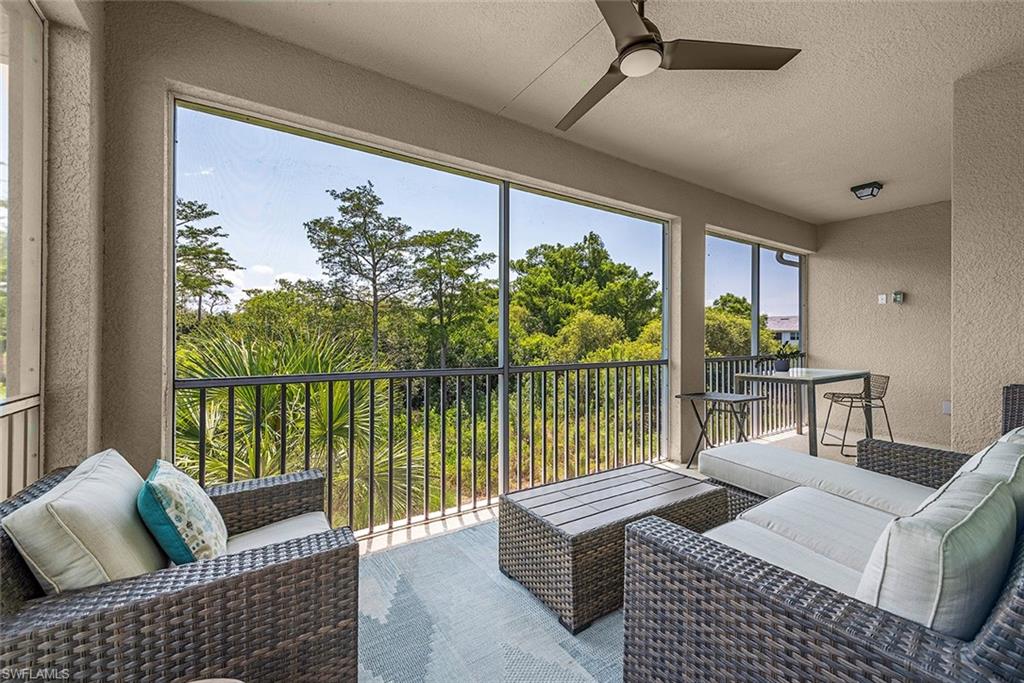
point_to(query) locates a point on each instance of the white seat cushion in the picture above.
(1004, 460)
(770, 470)
(86, 529)
(839, 529)
(769, 546)
(945, 565)
(284, 530)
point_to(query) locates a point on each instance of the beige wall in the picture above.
(987, 249)
(909, 251)
(74, 232)
(153, 49)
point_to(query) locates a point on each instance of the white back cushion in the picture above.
(1005, 461)
(1013, 436)
(944, 566)
(86, 529)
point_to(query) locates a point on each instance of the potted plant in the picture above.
(784, 355)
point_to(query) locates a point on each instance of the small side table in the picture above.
(721, 403)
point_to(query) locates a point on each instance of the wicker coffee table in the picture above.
(564, 542)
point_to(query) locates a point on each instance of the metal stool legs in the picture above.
(873, 404)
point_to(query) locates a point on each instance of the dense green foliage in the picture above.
(398, 298)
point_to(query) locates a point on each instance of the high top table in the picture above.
(807, 379)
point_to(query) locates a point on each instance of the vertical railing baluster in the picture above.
(330, 452)
(661, 409)
(615, 421)
(519, 430)
(408, 450)
(307, 431)
(351, 454)
(458, 443)
(202, 437)
(554, 424)
(258, 429)
(391, 452)
(231, 434)
(607, 424)
(533, 412)
(586, 413)
(544, 426)
(444, 446)
(643, 415)
(565, 411)
(576, 419)
(426, 448)
(371, 465)
(633, 412)
(283, 416)
(487, 403)
(472, 446)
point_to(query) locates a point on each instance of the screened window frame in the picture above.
(505, 185)
(755, 286)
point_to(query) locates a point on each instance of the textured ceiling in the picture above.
(870, 96)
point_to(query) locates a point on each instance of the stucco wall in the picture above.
(987, 249)
(154, 48)
(74, 233)
(908, 251)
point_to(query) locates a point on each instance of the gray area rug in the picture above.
(439, 610)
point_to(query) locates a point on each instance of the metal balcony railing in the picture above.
(780, 411)
(401, 447)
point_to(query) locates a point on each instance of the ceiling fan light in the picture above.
(640, 61)
(867, 190)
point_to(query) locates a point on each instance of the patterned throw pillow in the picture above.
(180, 515)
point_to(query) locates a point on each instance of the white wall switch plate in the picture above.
(881, 298)
(947, 407)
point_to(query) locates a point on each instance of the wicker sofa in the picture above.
(699, 609)
(286, 611)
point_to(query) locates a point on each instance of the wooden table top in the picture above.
(586, 503)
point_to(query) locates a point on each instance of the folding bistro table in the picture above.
(734, 404)
(806, 380)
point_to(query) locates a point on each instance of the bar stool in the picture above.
(874, 401)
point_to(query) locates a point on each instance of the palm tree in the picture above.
(347, 420)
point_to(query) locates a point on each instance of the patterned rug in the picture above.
(439, 610)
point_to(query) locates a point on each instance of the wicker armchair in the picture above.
(286, 611)
(697, 610)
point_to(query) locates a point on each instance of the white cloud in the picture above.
(203, 171)
(262, 270)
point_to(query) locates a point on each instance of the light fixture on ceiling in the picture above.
(867, 190)
(642, 60)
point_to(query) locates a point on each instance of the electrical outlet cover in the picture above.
(881, 298)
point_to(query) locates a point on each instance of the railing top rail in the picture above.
(715, 359)
(362, 375)
(19, 405)
(524, 369)
(220, 382)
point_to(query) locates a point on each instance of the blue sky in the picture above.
(265, 184)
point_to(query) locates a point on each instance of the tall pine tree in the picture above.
(202, 263)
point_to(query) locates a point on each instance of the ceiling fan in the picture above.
(641, 51)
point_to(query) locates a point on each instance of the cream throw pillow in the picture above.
(944, 566)
(86, 529)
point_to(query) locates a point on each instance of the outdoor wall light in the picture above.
(867, 190)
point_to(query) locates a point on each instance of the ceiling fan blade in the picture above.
(624, 21)
(604, 86)
(704, 54)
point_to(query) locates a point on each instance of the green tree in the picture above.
(363, 251)
(583, 334)
(646, 346)
(447, 271)
(201, 262)
(727, 328)
(554, 281)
